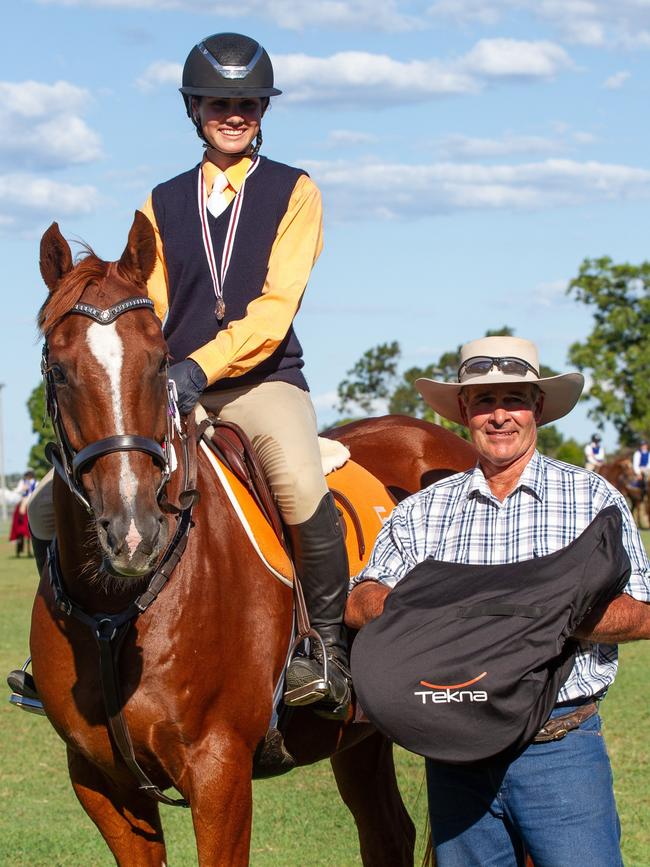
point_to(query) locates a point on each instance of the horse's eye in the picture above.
(58, 375)
(163, 366)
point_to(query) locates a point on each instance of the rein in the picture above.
(109, 630)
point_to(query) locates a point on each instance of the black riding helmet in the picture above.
(228, 65)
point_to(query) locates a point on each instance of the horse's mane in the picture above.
(88, 268)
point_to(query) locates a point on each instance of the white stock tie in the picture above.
(217, 201)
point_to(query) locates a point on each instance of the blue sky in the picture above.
(471, 154)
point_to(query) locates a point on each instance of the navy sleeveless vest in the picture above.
(191, 321)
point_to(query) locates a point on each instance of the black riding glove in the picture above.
(190, 383)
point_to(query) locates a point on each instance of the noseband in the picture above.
(70, 464)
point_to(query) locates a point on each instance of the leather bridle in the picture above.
(69, 463)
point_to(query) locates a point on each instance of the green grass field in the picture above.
(41, 822)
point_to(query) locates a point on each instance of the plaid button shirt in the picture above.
(459, 520)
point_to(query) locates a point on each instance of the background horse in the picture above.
(621, 475)
(197, 669)
(406, 454)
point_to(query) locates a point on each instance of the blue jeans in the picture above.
(553, 800)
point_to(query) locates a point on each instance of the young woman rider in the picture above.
(237, 238)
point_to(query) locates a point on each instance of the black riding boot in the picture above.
(19, 680)
(322, 566)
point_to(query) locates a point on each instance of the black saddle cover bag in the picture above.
(466, 661)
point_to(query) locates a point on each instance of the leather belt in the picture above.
(558, 727)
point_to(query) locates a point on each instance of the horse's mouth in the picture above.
(116, 570)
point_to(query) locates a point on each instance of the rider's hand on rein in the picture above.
(190, 383)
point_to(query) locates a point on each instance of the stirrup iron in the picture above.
(318, 689)
(31, 705)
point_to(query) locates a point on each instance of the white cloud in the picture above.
(389, 15)
(160, 74)
(42, 126)
(26, 200)
(325, 401)
(550, 294)
(458, 146)
(583, 138)
(361, 192)
(586, 22)
(597, 23)
(349, 76)
(616, 81)
(464, 12)
(515, 58)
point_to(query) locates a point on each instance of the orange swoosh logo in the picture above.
(454, 685)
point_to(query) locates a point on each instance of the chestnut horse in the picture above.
(197, 669)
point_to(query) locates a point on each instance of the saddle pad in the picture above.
(259, 531)
(370, 502)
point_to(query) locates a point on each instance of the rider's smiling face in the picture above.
(229, 125)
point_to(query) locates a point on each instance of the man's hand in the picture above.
(624, 619)
(365, 603)
(190, 383)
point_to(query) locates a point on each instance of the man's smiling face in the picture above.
(502, 421)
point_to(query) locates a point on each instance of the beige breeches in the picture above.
(280, 421)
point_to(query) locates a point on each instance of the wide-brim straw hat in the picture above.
(561, 393)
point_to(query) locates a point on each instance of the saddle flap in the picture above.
(236, 451)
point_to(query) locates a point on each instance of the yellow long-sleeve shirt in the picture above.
(248, 341)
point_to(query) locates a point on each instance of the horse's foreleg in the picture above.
(127, 819)
(221, 795)
(365, 776)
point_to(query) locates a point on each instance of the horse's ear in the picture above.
(56, 258)
(139, 256)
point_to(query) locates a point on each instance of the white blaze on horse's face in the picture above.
(107, 347)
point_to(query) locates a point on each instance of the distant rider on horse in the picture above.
(594, 454)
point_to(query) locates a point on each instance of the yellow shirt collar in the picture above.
(235, 173)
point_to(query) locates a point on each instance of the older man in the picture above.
(554, 800)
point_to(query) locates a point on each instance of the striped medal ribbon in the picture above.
(220, 308)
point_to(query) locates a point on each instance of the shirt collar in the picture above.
(235, 173)
(532, 480)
